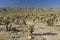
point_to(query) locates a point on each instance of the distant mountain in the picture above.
(28, 10)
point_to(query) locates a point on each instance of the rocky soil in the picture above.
(41, 32)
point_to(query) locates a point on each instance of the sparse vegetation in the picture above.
(29, 17)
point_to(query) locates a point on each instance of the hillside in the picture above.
(28, 10)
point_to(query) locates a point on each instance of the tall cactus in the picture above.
(31, 27)
(6, 21)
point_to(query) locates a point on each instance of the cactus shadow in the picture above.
(17, 30)
(57, 25)
(20, 30)
(49, 33)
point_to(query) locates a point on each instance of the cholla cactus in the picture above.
(29, 22)
(6, 21)
(31, 28)
(18, 18)
(30, 25)
(50, 21)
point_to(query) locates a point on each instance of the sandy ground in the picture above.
(41, 32)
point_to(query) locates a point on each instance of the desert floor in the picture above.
(41, 32)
